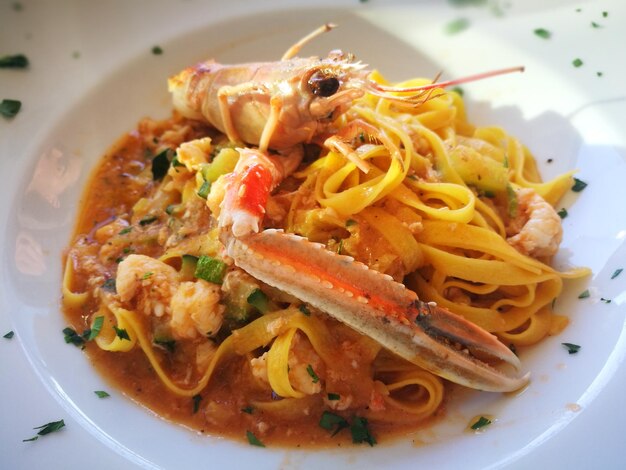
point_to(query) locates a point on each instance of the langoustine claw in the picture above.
(375, 305)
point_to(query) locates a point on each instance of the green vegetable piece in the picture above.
(360, 432)
(616, 273)
(512, 201)
(333, 396)
(9, 108)
(605, 14)
(121, 333)
(102, 394)
(204, 190)
(196, 403)
(478, 170)
(542, 33)
(595, 25)
(305, 310)
(584, 294)
(166, 343)
(571, 348)
(157, 50)
(17, 61)
(9, 335)
(124, 231)
(259, 300)
(224, 162)
(312, 373)
(562, 213)
(210, 269)
(253, 440)
(456, 26)
(148, 219)
(161, 163)
(96, 326)
(351, 222)
(330, 421)
(248, 410)
(46, 429)
(188, 267)
(579, 185)
(480, 423)
(458, 90)
(74, 338)
(577, 62)
(606, 301)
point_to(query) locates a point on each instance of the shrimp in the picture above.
(191, 309)
(280, 105)
(537, 229)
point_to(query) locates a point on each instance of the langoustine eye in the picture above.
(323, 85)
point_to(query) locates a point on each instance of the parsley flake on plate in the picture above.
(9, 335)
(101, 394)
(616, 273)
(46, 429)
(480, 423)
(253, 440)
(542, 33)
(9, 108)
(571, 348)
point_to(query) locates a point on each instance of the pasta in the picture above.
(210, 346)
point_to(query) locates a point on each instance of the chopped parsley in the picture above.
(616, 273)
(579, 185)
(17, 61)
(599, 74)
(571, 348)
(333, 396)
(584, 294)
(332, 422)
(147, 275)
(456, 26)
(247, 410)
(196, 403)
(72, 337)
(542, 33)
(96, 326)
(121, 333)
(9, 108)
(253, 440)
(148, 219)
(124, 231)
(157, 50)
(161, 163)
(606, 301)
(562, 213)
(512, 201)
(17, 6)
(577, 62)
(46, 429)
(210, 269)
(9, 335)
(305, 310)
(360, 432)
(595, 25)
(312, 373)
(101, 394)
(351, 222)
(605, 14)
(480, 423)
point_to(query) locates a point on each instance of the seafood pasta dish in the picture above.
(306, 254)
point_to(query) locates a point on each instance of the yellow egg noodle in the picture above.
(439, 193)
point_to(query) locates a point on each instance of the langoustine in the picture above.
(280, 106)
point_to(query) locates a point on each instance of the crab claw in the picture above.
(377, 306)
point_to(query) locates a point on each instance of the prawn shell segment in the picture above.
(376, 306)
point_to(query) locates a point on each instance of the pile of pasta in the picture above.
(432, 211)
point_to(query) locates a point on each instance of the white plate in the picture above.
(93, 76)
